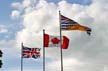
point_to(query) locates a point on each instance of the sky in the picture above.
(24, 21)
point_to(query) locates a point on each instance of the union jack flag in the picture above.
(65, 22)
(69, 24)
(30, 52)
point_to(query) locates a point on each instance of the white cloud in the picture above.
(26, 3)
(85, 53)
(25, 69)
(17, 5)
(69, 64)
(15, 14)
(6, 43)
(24, 6)
(105, 68)
(3, 29)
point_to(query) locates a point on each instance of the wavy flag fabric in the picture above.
(69, 24)
(30, 52)
(54, 41)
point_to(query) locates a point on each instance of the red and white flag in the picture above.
(54, 41)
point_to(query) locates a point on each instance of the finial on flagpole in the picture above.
(43, 29)
(59, 11)
(22, 43)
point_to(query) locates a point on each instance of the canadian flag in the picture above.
(54, 41)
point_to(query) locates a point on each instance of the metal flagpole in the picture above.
(61, 53)
(43, 51)
(21, 57)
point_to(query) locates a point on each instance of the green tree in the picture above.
(0, 57)
(1, 63)
(1, 53)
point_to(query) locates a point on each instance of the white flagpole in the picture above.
(21, 57)
(61, 53)
(43, 51)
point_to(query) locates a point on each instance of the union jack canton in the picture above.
(66, 22)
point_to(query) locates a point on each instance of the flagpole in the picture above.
(43, 51)
(21, 57)
(61, 53)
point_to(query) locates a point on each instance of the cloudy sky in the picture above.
(24, 21)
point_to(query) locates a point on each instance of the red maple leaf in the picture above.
(55, 40)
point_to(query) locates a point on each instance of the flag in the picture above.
(30, 52)
(69, 24)
(54, 41)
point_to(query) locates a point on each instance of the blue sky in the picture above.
(5, 19)
(6, 7)
(82, 2)
(14, 25)
(83, 51)
(5, 15)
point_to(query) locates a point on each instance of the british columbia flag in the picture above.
(69, 24)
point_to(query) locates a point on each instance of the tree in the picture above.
(1, 60)
(1, 53)
(1, 63)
